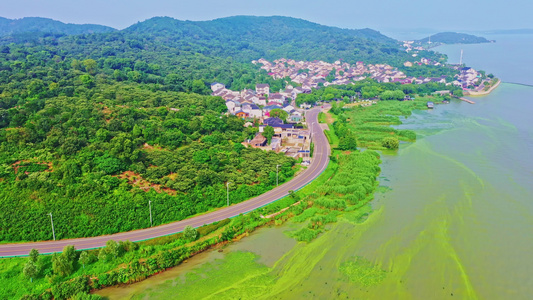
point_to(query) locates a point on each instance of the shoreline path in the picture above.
(318, 164)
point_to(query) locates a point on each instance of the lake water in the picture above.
(457, 221)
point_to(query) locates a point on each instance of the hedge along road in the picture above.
(318, 164)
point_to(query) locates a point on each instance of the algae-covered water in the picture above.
(456, 223)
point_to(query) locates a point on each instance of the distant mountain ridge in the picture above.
(248, 26)
(454, 38)
(44, 25)
(239, 39)
(252, 37)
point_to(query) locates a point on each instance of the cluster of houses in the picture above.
(258, 103)
(313, 74)
(411, 46)
(467, 77)
(294, 142)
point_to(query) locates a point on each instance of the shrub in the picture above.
(67, 289)
(390, 143)
(190, 233)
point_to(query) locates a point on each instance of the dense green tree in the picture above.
(112, 248)
(392, 95)
(348, 142)
(279, 113)
(34, 256)
(190, 233)
(61, 265)
(268, 132)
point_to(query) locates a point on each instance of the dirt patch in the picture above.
(149, 147)
(329, 118)
(19, 163)
(106, 111)
(145, 185)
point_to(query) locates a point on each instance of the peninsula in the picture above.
(453, 38)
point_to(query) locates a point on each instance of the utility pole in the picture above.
(150, 206)
(277, 175)
(227, 186)
(461, 60)
(52, 221)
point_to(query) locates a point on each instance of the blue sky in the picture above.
(383, 15)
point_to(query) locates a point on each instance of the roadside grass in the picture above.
(15, 285)
(331, 135)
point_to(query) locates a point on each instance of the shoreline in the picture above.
(484, 93)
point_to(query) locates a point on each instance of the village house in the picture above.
(215, 86)
(241, 114)
(233, 106)
(268, 108)
(272, 121)
(262, 89)
(252, 110)
(295, 116)
(258, 141)
(277, 98)
(262, 101)
(275, 144)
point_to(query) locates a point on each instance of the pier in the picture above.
(466, 100)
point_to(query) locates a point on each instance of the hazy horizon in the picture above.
(385, 16)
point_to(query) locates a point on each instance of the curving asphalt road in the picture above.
(318, 164)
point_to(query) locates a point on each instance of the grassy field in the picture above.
(372, 124)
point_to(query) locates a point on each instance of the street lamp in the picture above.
(150, 206)
(227, 186)
(277, 175)
(52, 221)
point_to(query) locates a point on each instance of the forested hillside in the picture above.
(93, 126)
(92, 156)
(173, 53)
(44, 25)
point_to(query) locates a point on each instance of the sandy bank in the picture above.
(483, 93)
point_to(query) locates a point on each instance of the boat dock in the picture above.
(466, 100)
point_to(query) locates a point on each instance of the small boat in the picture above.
(430, 104)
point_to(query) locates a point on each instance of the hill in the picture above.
(44, 25)
(218, 50)
(250, 37)
(454, 38)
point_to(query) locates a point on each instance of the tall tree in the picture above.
(268, 132)
(30, 270)
(61, 265)
(112, 248)
(84, 258)
(34, 255)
